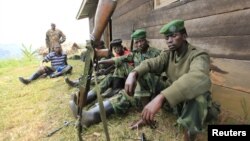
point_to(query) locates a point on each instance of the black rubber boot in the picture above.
(118, 83)
(72, 83)
(93, 115)
(27, 81)
(91, 97)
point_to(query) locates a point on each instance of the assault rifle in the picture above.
(105, 9)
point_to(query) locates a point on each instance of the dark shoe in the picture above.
(91, 97)
(24, 81)
(73, 108)
(110, 92)
(71, 83)
(93, 115)
(118, 83)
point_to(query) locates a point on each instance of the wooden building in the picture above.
(221, 27)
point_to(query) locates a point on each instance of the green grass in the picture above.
(30, 112)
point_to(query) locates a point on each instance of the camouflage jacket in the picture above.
(188, 73)
(54, 37)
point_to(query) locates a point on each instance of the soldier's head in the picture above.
(139, 37)
(116, 44)
(58, 48)
(175, 34)
(53, 26)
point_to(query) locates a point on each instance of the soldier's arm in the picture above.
(153, 65)
(107, 61)
(63, 37)
(191, 84)
(47, 40)
(123, 59)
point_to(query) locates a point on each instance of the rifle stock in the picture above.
(104, 11)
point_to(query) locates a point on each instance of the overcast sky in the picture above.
(26, 21)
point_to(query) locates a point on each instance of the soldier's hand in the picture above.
(152, 108)
(130, 83)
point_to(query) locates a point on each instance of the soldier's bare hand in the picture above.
(130, 83)
(152, 108)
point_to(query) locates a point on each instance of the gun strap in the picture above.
(101, 106)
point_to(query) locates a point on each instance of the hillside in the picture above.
(29, 113)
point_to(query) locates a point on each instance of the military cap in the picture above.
(116, 42)
(139, 34)
(172, 27)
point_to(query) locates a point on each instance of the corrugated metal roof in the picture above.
(87, 8)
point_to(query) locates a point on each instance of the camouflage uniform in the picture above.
(54, 37)
(188, 84)
(146, 85)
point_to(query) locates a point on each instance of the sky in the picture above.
(26, 21)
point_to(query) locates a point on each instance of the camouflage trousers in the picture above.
(147, 87)
(191, 114)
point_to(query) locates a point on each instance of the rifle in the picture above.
(132, 40)
(105, 9)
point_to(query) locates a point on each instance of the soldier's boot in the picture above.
(93, 115)
(91, 96)
(33, 77)
(72, 103)
(117, 85)
(72, 83)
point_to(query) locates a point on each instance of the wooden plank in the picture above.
(231, 73)
(230, 99)
(230, 24)
(129, 6)
(191, 10)
(231, 47)
(122, 26)
(233, 23)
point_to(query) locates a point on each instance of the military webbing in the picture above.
(84, 86)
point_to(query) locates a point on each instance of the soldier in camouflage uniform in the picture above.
(112, 83)
(146, 87)
(54, 36)
(75, 83)
(188, 85)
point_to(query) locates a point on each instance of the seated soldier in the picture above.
(187, 88)
(112, 83)
(146, 88)
(98, 46)
(59, 65)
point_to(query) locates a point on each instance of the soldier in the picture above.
(112, 83)
(188, 85)
(59, 65)
(54, 36)
(147, 86)
(75, 83)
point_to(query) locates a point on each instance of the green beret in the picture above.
(116, 42)
(172, 27)
(139, 34)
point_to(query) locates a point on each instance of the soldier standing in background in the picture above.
(54, 36)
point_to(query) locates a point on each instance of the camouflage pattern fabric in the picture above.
(54, 37)
(147, 86)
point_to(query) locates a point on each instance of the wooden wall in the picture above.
(221, 27)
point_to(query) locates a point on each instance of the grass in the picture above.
(30, 112)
